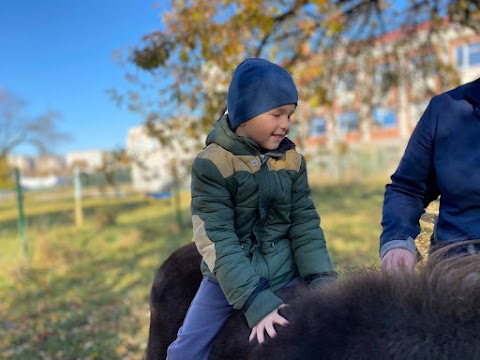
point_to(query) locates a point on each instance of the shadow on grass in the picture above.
(97, 307)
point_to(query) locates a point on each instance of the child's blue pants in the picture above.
(207, 313)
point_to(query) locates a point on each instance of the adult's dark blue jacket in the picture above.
(442, 159)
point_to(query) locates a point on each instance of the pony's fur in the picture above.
(430, 315)
(174, 287)
(434, 314)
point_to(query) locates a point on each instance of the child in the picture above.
(254, 221)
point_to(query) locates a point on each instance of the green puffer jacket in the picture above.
(254, 220)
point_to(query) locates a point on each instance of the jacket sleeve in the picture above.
(217, 242)
(412, 188)
(306, 235)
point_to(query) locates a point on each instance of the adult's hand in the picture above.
(266, 324)
(397, 260)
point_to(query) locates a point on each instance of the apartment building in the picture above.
(86, 160)
(377, 100)
(369, 119)
(366, 113)
(50, 165)
(156, 167)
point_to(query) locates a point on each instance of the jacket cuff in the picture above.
(263, 304)
(408, 244)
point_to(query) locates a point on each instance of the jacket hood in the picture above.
(223, 136)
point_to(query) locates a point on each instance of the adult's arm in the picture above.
(412, 188)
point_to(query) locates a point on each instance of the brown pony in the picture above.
(433, 314)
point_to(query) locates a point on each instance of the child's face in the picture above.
(269, 128)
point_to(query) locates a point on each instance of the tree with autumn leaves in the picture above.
(191, 61)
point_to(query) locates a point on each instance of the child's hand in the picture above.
(266, 324)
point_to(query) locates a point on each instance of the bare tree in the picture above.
(17, 129)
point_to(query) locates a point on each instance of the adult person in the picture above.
(442, 159)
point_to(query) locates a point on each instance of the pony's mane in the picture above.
(369, 314)
(449, 282)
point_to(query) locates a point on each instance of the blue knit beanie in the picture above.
(258, 86)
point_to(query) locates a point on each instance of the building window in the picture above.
(151, 144)
(417, 110)
(460, 52)
(346, 82)
(382, 77)
(425, 65)
(384, 117)
(348, 121)
(468, 55)
(139, 145)
(425, 68)
(317, 127)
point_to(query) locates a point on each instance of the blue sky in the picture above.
(57, 54)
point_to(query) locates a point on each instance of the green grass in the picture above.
(350, 217)
(83, 293)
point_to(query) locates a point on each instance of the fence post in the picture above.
(21, 218)
(178, 205)
(77, 194)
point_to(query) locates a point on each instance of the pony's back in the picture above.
(433, 314)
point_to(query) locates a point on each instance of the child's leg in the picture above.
(207, 313)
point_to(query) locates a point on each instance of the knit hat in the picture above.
(258, 86)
